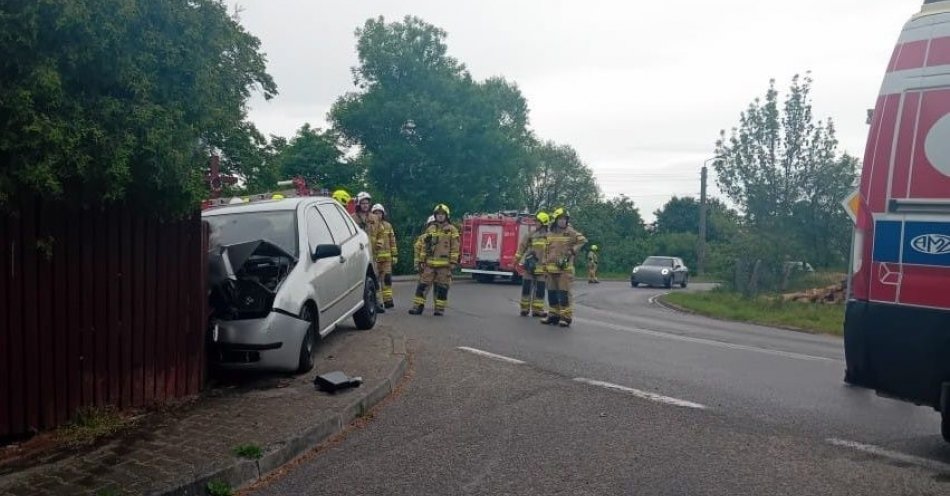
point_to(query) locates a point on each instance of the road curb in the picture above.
(243, 472)
(661, 301)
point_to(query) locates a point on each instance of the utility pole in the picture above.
(701, 253)
(701, 248)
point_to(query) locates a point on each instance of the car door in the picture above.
(353, 253)
(325, 275)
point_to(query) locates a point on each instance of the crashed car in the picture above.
(660, 271)
(282, 274)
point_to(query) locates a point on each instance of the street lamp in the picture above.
(701, 249)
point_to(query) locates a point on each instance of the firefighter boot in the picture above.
(388, 291)
(553, 309)
(441, 298)
(567, 313)
(537, 306)
(419, 300)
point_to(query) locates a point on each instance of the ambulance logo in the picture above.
(931, 244)
(490, 242)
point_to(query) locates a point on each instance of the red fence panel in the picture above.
(97, 308)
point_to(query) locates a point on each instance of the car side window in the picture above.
(349, 220)
(338, 226)
(318, 233)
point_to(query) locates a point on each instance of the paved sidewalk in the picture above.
(179, 452)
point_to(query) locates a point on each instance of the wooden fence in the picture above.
(97, 308)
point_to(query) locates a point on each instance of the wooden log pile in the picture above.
(833, 294)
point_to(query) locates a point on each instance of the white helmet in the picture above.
(378, 207)
(362, 195)
(430, 220)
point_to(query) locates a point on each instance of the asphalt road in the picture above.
(633, 399)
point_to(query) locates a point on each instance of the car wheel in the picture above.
(634, 283)
(365, 318)
(308, 349)
(685, 282)
(945, 426)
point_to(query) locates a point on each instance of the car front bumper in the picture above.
(269, 343)
(650, 278)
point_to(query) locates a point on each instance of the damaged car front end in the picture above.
(247, 331)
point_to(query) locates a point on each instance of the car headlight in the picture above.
(635, 269)
(665, 271)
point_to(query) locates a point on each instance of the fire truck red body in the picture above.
(490, 241)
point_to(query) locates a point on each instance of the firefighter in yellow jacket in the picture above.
(563, 244)
(592, 260)
(436, 255)
(530, 255)
(386, 253)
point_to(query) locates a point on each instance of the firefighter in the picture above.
(563, 243)
(592, 265)
(341, 196)
(436, 255)
(386, 257)
(365, 218)
(530, 255)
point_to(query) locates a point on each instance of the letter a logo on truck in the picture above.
(489, 242)
(932, 244)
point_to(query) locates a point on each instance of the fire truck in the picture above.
(489, 243)
(897, 325)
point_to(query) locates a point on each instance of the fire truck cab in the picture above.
(897, 325)
(489, 243)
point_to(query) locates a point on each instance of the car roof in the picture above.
(284, 204)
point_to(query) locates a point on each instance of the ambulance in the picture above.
(897, 325)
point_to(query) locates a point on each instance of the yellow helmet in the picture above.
(594, 248)
(561, 211)
(341, 196)
(543, 218)
(277, 196)
(441, 208)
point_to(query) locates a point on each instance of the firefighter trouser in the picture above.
(592, 272)
(559, 296)
(384, 270)
(441, 278)
(533, 300)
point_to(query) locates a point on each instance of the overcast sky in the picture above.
(640, 89)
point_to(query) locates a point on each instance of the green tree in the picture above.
(615, 225)
(681, 215)
(105, 100)
(426, 129)
(315, 155)
(781, 167)
(556, 176)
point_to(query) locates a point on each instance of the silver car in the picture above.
(660, 271)
(282, 274)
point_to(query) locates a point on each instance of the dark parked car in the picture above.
(660, 271)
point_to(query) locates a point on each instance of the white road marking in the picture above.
(491, 355)
(710, 342)
(642, 394)
(653, 298)
(893, 455)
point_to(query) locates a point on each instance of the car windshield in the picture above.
(658, 262)
(279, 228)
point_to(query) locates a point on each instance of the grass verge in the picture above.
(810, 317)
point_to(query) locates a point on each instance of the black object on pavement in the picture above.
(335, 381)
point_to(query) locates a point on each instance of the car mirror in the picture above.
(326, 251)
